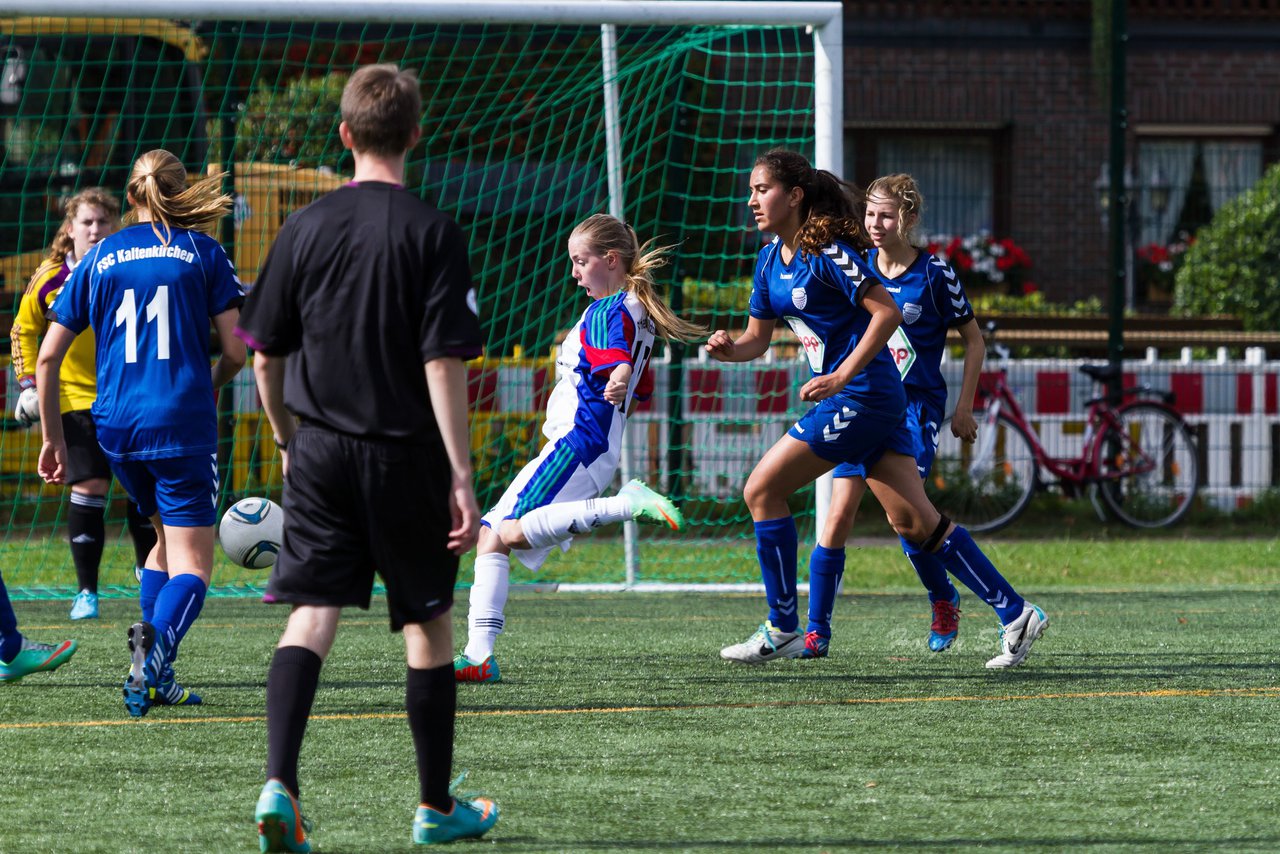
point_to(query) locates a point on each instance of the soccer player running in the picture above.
(932, 300)
(601, 371)
(361, 321)
(91, 215)
(21, 657)
(149, 292)
(811, 276)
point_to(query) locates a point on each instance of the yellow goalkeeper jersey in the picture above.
(79, 386)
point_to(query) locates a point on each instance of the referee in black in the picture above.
(360, 291)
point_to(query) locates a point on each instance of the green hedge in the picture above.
(1234, 265)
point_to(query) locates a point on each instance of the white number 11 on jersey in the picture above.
(157, 310)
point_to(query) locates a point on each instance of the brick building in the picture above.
(995, 106)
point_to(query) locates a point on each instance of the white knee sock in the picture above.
(488, 598)
(555, 523)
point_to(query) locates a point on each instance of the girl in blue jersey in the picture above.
(602, 369)
(149, 292)
(932, 301)
(812, 277)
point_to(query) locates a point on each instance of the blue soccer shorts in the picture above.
(921, 421)
(183, 489)
(839, 432)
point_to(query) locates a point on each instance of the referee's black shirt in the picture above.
(360, 289)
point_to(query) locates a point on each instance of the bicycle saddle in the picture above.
(1101, 373)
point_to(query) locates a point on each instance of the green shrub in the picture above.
(1234, 265)
(297, 125)
(701, 296)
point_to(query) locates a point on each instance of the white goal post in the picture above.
(822, 20)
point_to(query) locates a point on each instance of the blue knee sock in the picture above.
(177, 607)
(933, 575)
(776, 544)
(10, 637)
(149, 586)
(825, 568)
(963, 559)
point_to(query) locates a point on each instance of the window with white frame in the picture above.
(1182, 182)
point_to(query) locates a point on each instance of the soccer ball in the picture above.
(251, 531)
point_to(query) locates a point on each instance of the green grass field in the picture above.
(1146, 719)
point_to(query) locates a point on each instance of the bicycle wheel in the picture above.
(1149, 466)
(985, 485)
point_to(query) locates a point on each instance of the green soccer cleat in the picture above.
(651, 507)
(281, 825)
(36, 658)
(467, 820)
(466, 670)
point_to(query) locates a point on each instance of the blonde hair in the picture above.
(99, 197)
(901, 188)
(159, 184)
(604, 234)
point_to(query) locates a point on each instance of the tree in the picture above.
(1234, 265)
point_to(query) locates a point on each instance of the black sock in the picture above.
(143, 534)
(87, 532)
(291, 688)
(431, 697)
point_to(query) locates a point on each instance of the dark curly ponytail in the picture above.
(831, 208)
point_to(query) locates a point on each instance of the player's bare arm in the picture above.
(48, 371)
(615, 390)
(234, 353)
(963, 425)
(447, 385)
(752, 344)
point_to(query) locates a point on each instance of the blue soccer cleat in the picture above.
(467, 820)
(147, 656)
(85, 606)
(168, 692)
(946, 623)
(281, 825)
(815, 645)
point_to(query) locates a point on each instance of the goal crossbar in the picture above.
(647, 12)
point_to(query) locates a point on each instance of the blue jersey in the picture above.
(614, 330)
(149, 305)
(932, 301)
(820, 297)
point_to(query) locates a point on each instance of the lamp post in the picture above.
(1102, 187)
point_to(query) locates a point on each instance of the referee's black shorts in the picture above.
(85, 459)
(355, 507)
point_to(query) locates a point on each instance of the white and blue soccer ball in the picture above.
(251, 532)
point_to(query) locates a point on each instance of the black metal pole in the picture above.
(1118, 198)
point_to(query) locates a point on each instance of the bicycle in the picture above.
(1138, 460)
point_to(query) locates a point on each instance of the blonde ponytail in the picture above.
(158, 184)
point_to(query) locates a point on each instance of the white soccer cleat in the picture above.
(767, 644)
(1017, 637)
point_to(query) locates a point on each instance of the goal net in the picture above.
(520, 142)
